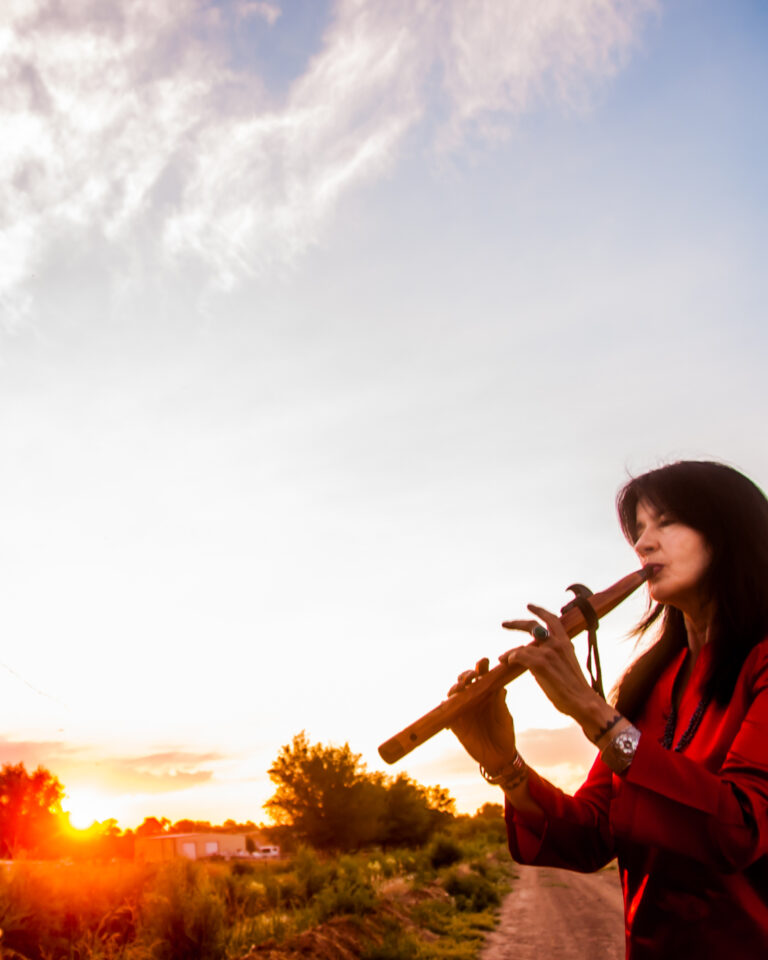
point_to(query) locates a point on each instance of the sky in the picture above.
(329, 330)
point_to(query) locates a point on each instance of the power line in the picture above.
(40, 693)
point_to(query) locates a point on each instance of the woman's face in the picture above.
(678, 554)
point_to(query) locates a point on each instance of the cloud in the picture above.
(158, 773)
(499, 59)
(31, 753)
(257, 8)
(125, 122)
(562, 755)
(552, 748)
(164, 772)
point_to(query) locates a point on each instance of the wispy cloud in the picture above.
(257, 8)
(159, 773)
(163, 772)
(499, 59)
(125, 122)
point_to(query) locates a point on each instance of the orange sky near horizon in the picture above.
(563, 756)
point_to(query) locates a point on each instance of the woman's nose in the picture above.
(645, 543)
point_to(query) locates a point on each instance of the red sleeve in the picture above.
(719, 818)
(716, 814)
(576, 833)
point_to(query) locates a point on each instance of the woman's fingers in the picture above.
(462, 681)
(554, 627)
(552, 661)
(551, 644)
(469, 676)
(525, 656)
(527, 625)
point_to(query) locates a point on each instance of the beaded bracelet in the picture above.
(515, 771)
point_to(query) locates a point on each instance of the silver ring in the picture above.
(539, 633)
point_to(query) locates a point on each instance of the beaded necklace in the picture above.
(668, 737)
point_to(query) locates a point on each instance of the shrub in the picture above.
(285, 891)
(45, 909)
(349, 891)
(483, 828)
(443, 852)
(411, 861)
(184, 915)
(471, 891)
(311, 874)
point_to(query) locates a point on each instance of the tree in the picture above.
(152, 826)
(408, 820)
(183, 826)
(414, 812)
(30, 810)
(191, 826)
(440, 800)
(325, 795)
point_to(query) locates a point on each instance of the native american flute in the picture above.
(445, 713)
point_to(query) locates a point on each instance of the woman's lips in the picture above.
(655, 569)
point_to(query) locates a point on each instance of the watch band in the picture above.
(619, 752)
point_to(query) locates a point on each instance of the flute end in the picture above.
(391, 751)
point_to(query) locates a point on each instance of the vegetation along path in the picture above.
(557, 913)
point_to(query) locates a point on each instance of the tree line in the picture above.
(324, 796)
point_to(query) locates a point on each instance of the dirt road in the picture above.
(560, 915)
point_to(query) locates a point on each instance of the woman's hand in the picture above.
(486, 731)
(552, 661)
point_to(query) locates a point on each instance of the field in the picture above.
(430, 903)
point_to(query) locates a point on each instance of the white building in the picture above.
(193, 846)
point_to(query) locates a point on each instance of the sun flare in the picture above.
(85, 807)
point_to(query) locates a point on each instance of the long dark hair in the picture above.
(731, 513)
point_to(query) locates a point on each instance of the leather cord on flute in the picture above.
(573, 620)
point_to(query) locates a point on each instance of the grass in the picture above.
(435, 903)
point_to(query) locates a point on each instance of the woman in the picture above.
(679, 792)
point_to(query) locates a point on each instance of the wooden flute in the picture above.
(442, 716)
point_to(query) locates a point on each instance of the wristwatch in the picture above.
(619, 752)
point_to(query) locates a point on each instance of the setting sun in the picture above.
(85, 807)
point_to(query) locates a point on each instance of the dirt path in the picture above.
(559, 915)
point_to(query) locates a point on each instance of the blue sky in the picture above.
(329, 333)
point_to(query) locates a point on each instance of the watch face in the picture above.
(626, 743)
(621, 750)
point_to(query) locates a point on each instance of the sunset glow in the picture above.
(86, 807)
